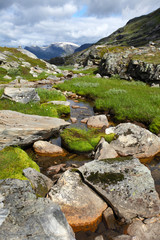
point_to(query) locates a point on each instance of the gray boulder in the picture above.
(29, 54)
(22, 95)
(27, 217)
(24, 129)
(104, 150)
(65, 103)
(40, 183)
(81, 206)
(135, 140)
(126, 184)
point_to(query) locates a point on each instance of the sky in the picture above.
(42, 22)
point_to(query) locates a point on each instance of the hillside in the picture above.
(137, 32)
(53, 50)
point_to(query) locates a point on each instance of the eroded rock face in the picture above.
(81, 206)
(97, 121)
(104, 150)
(126, 184)
(26, 217)
(39, 181)
(22, 95)
(48, 149)
(24, 129)
(135, 140)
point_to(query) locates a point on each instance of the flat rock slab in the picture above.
(65, 103)
(27, 217)
(45, 148)
(23, 129)
(135, 140)
(97, 121)
(21, 95)
(126, 184)
(82, 207)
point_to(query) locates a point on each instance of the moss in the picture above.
(49, 109)
(155, 125)
(105, 178)
(12, 162)
(80, 140)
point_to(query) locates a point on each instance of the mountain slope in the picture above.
(53, 50)
(137, 32)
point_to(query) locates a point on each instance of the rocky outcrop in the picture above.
(22, 95)
(24, 216)
(135, 140)
(104, 150)
(48, 149)
(125, 184)
(97, 121)
(81, 206)
(23, 129)
(40, 183)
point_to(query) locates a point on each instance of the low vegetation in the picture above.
(38, 108)
(82, 141)
(12, 162)
(124, 100)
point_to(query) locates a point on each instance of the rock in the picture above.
(98, 75)
(73, 120)
(7, 77)
(26, 64)
(24, 129)
(124, 237)
(84, 120)
(109, 219)
(56, 169)
(40, 183)
(65, 103)
(53, 78)
(104, 150)
(29, 54)
(134, 140)
(149, 230)
(76, 106)
(81, 206)
(126, 184)
(45, 148)
(22, 95)
(30, 217)
(97, 121)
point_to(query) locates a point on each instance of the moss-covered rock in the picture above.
(12, 162)
(82, 141)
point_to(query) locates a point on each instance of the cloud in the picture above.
(43, 22)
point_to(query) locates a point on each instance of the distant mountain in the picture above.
(59, 49)
(83, 47)
(137, 32)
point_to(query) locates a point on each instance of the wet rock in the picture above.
(40, 183)
(30, 217)
(126, 184)
(24, 129)
(73, 120)
(81, 206)
(97, 121)
(48, 149)
(22, 95)
(56, 169)
(104, 150)
(135, 140)
(149, 230)
(84, 120)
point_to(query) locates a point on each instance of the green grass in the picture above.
(12, 162)
(38, 108)
(134, 101)
(82, 141)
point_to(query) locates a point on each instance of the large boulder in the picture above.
(97, 121)
(82, 207)
(22, 95)
(40, 183)
(48, 149)
(135, 140)
(104, 150)
(24, 216)
(23, 129)
(126, 184)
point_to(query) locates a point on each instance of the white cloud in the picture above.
(43, 22)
